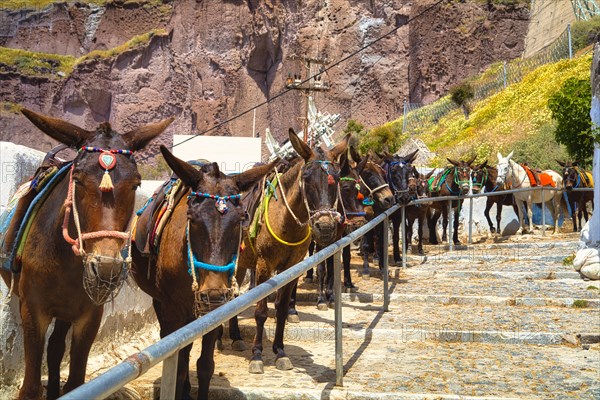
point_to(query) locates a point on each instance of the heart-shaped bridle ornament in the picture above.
(107, 161)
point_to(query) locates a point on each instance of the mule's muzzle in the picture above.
(103, 276)
(353, 223)
(403, 196)
(324, 225)
(464, 188)
(210, 299)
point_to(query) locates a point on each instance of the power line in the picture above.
(326, 69)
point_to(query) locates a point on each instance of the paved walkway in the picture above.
(492, 320)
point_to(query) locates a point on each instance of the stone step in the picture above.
(311, 298)
(516, 275)
(455, 323)
(397, 369)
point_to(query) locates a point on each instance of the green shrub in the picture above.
(569, 260)
(580, 304)
(584, 33)
(540, 149)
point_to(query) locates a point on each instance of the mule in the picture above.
(72, 261)
(402, 178)
(452, 181)
(575, 177)
(309, 210)
(378, 198)
(190, 271)
(418, 212)
(514, 175)
(483, 177)
(352, 208)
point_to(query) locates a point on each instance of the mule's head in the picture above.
(319, 181)
(375, 186)
(422, 185)
(400, 171)
(504, 169)
(102, 212)
(214, 218)
(350, 189)
(462, 174)
(479, 177)
(571, 178)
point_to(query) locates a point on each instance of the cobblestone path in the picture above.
(491, 320)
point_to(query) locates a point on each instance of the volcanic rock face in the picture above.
(222, 58)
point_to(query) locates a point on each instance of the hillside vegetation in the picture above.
(516, 119)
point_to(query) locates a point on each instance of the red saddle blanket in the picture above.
(545, 179)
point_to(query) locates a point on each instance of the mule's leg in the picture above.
(365, 246)
(573, 211)
(530, 212)
(555, 201)
(455, 223)
(432, 218)
(205, 365)
(421, 222)
(520, 215)
(237, 342)
(488, 206)
(56, 351)
(282, 362)
(292, 312)
(396, 221)
(260, 316)
(310, 278)
(444, 214)
(410, 221)
(34, 332)
(346, 258)
(329, 281)
(322, 275)
(84, 333)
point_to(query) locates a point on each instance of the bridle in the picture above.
(203, 297)
(331, 211)
(369, 200)
(350, 216)
(459, 182)
(402, 165)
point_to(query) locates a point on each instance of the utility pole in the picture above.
(312, 69)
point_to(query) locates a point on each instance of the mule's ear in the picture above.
(247, 179)
(561, 163)
(344, 164)
(64, 132)
(429, 174)
(575, 163)
(499, 157)
(508, 157)
(484, 165)
(140, 137)
(355, 154)
(189, 175)
(409, 158)
(361, 165)
(455, 163)
(340, 147)
(471, 160)
(301, 148)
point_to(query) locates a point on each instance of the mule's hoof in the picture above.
(238, 345)
(220, 345)
(308, 279)
(293, 318)
(271, 313)
(366, 274)
(283, 364)
(398, 263)
(322, 307)
(256, 367)
(352, 289)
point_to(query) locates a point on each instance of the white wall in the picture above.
(233, 154)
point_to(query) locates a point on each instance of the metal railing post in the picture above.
(450, 226)
(168, 381)
(543, 213)
(470, 220)
(337, 291)
(570, 42)
(404, 241)
(386, 287)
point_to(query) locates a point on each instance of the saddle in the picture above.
(586, 177)
(158, 209)
(537, 177)
(16, 220)
(435, 182)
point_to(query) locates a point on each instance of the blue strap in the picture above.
(230, 268)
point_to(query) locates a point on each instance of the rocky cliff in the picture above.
(217, 59)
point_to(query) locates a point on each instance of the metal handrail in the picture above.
(168, 347)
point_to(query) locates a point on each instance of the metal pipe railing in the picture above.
(169, 346)
(166, 349)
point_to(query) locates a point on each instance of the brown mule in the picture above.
(213, 214)
(310, 190)
(50, 283)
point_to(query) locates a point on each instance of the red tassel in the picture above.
(360, 196)
(330, 179)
